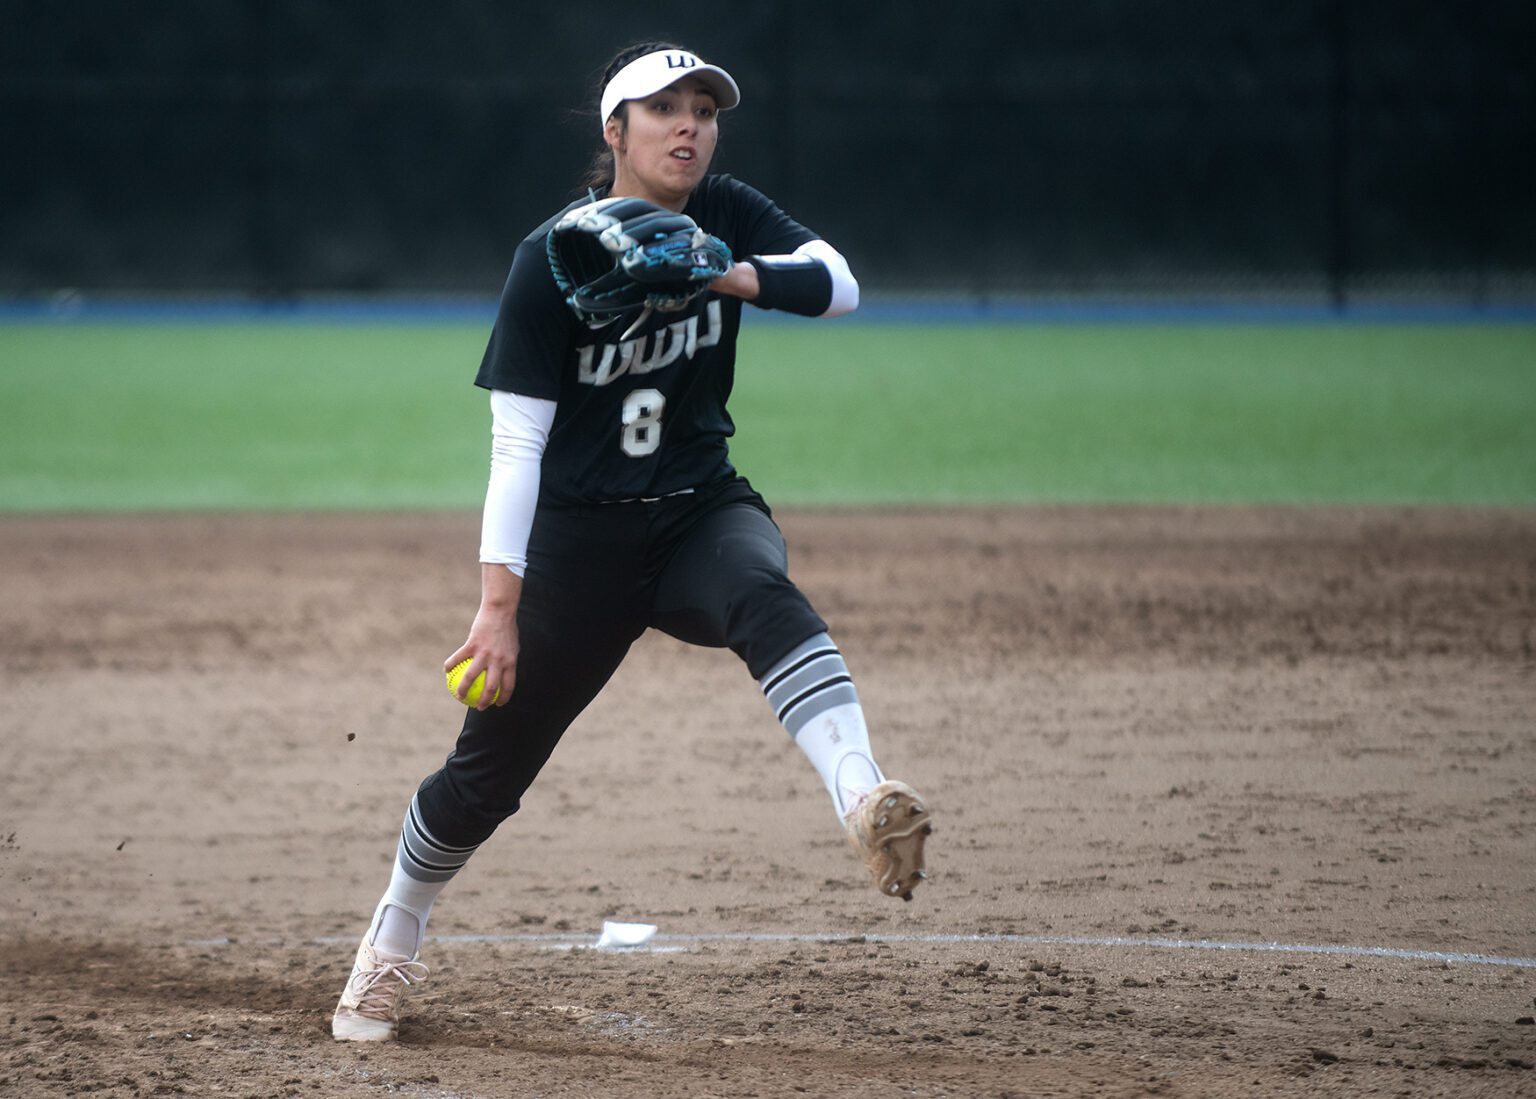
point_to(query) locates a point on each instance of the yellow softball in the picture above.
(472, 696)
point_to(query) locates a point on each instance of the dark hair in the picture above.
(601, 172)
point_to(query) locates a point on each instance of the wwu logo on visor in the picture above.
(681, 61)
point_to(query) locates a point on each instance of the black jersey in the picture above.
(643, 416)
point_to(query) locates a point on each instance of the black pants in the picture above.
(709, 568)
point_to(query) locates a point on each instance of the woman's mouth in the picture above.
(682, 154)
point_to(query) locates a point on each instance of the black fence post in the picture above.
(1339, 110)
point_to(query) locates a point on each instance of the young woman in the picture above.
(613, 507)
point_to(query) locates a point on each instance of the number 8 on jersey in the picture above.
(641, 420)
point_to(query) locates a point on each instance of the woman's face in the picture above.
(665, 148)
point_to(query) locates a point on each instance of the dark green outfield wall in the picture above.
(285, 146)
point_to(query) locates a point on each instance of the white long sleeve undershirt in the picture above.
(519, 433)
(845, 288)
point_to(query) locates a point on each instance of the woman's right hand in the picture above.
(492, 645)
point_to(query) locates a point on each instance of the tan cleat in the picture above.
(369, 1010)
(889, 827)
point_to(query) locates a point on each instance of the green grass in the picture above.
(348, 416)
(241, 416)
(1146, 414)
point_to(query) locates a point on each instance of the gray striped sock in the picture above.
(422, 856)
(809, 681)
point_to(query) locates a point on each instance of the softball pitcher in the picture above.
(613, 506)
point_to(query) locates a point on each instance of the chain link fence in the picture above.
(1321, 150)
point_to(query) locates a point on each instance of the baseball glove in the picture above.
(619, 254)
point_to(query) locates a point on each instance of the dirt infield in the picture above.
(1145, 731)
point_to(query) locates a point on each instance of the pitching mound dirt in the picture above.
(1143, 733)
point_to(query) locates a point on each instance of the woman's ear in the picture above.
(613, 133)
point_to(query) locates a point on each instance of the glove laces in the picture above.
(639, 321)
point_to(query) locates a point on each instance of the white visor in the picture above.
(649, 74)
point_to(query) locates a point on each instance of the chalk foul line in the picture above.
(676, 941)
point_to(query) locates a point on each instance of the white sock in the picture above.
(400, 921)
(836, 741)
(423, 865)
(813, 696)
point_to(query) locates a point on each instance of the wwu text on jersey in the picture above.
(599, 364)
